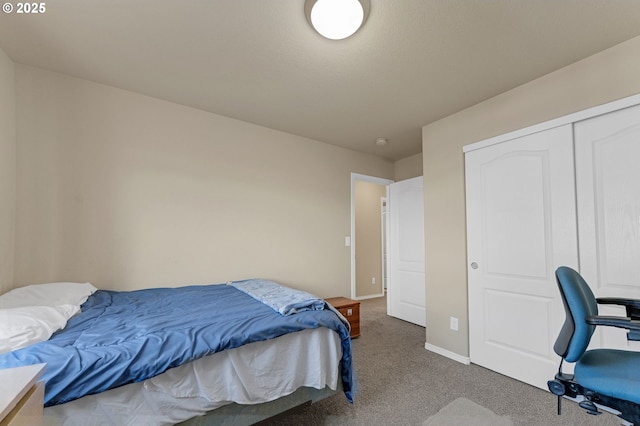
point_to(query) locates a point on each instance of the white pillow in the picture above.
(51, 294)
(24, 326)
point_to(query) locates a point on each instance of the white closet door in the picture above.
(406, 294)
(608, 193)
(521, 225)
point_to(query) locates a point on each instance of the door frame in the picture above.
(557, 122)
(371, 179)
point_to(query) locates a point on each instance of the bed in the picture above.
(166, 355)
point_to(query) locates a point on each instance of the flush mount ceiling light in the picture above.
(382, 141)
(336, 19)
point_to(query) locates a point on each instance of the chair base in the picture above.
(565, 385)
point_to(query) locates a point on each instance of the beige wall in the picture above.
(7, 171)
(408, 168)
(604, 77)
(368, 238)
(127, 191)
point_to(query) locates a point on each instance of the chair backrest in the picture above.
(579, 303)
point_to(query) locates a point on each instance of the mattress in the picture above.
(251, 374)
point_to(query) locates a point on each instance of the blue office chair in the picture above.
(606, 377)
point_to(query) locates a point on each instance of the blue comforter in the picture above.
(126, 337)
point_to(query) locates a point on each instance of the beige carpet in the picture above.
(402, 383)
(464, 412)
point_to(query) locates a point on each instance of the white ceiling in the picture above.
(413, 62)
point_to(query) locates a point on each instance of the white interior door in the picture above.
(521, 225)
(608, 194)
(405, 289)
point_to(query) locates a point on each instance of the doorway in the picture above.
(367, 251)
(402, 258)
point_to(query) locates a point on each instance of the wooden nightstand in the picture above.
(350, 309)
(21, 395)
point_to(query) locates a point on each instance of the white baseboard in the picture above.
(451, 355)
(370, 296)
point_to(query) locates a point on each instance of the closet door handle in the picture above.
(474, 265)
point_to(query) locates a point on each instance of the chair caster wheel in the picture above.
(556, 387)
(590, 407)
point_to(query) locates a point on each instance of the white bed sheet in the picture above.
(254, 373)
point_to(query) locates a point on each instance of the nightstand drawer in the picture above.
(352, 312)
(350, 309)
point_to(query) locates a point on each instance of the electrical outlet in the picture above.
(373, 280)
(453, 323)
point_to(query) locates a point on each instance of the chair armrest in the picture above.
(621, 322)
(632, 305)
